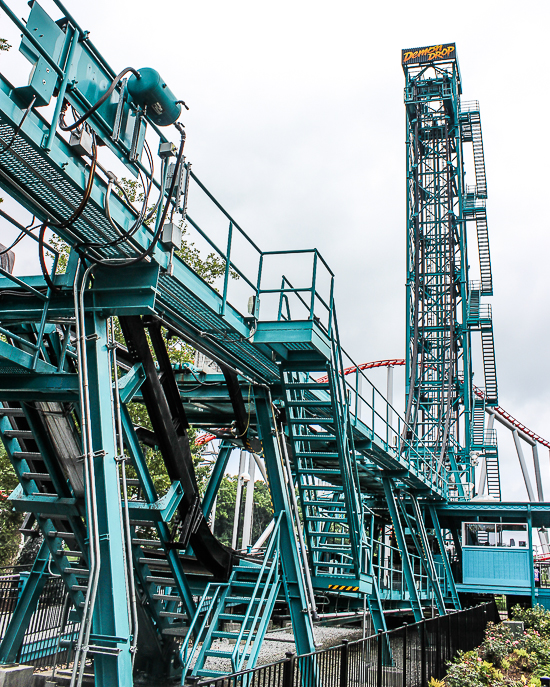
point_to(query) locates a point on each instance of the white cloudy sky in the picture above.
(297, 126)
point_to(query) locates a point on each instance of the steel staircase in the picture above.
(479, 158)
(489, 364)
(232, 617)
(45, 490)
(324, 467)
(484, 253)
(480, 319)
(478, 424)
(471, 132)
(493, 469)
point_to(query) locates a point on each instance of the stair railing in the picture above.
(207, 605)
(239, 654)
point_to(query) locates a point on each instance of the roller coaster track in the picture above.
(400, 362)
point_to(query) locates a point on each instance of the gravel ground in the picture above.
(276, 644)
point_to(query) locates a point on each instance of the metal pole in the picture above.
(538, 477)
(482, 476)
(249, 504)
(523, 464)
(242, 464)
(389, 396)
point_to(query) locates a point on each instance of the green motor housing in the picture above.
(151, 91)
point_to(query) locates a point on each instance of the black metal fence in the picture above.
(50, 630)
(405, 657)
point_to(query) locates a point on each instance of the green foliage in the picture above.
(498, 643)
(537, 618)
(10, 520)
(209, 268)
(503, 660)
(4, 45)
(225, 509)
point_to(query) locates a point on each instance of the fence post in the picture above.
(423, 676)
(438, 657)
(449, 652)
(379, 638)
(344, 658)
(288, 669)
(405, 656)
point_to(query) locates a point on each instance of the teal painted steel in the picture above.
(110, 614)
(414, 597)
(26, 605)
(448, 572)
(295, 586)
(149, 91)
(442, 306)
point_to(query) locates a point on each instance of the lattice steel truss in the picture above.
(438, 393)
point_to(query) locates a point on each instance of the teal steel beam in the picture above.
(531, 567)
(146, 483)
(216, 477)
(26, 606)
(293, 581)
(446, 563)
(401, 543)
(424, 557)
(432, 572)
(111, 613)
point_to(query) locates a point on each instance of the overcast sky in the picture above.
(297, 125)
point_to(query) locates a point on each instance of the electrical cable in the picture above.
(22, 234)
(18, 127)
(66, 223)
(100, 102)
(156, 236)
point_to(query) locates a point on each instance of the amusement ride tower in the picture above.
(443, 307)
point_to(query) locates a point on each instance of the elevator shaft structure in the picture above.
(442, 306)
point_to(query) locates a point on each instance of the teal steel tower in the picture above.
(443, 307)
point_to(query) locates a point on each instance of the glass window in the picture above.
(510, 536)
(479, 534)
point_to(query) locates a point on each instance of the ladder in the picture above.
(42, 468)
(489, 364)
(232, 617)
(324, 467)
(493, 471)
(478, 424)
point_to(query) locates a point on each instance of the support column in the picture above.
(110, 626)
(238, 501)
(216, 477)
(293, 581)
(405, 560)
(26, 605)
(431, 569)
(249, 504)
(523, 464)
(446, 563)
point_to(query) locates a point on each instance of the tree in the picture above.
(10, 520)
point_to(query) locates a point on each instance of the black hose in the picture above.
(18, 127)
(100, 102)
(156, 236)
(66, 223)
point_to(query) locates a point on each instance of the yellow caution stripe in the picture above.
(343, 588)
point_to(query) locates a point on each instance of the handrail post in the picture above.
(423, 666)
(281, 296)
(344, 658)
(227, 267)
(404, 656)
(379, 637)
(313, 286)
(288, 669)
(331, 305)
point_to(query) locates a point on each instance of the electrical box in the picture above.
(171, 236)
